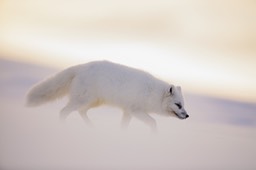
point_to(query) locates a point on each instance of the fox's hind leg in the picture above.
(70, 107)
(78, 98)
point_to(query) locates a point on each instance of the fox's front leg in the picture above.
(83, 114)
(126, 119)
(146, 118)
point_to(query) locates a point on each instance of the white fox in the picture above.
(136, 92)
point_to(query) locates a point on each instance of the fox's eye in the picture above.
(178, 105)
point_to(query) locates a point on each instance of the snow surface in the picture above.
(220, 133)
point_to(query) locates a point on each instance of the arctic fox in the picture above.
(136, 92)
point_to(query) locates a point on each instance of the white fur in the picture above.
(89, 85)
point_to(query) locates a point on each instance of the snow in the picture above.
(220, 133)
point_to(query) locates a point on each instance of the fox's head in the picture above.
(173, 102)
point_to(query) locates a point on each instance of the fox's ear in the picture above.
(171, 90)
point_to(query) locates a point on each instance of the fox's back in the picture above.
(117, 83)
(115, 74)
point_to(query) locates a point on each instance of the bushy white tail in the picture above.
(50, 89)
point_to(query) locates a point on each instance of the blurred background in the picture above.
(206, 46)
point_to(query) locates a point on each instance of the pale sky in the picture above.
(207, 47)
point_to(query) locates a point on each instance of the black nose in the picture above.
(187, 116)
